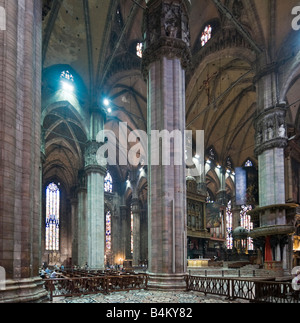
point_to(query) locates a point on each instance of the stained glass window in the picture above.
(206, 35)
(108, 231)
(52, 217)
(108, 183)
(139, 50)
(67, 76)
(212, 155)
(247, 224)
(248, 163)
(229, 219)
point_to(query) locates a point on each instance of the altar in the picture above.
(198, 263)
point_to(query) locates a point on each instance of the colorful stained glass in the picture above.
(229, 219)
(108, 231)
(108, 183)
(206, 35)
(67, 76)
(52, 217)
(247, 224)
(249, 163)
(139, 50)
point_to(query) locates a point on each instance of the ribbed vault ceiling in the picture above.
(96, 40)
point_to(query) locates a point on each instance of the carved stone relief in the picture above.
(166, 30)
(270, 129)
(91, 154)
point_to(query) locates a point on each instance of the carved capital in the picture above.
(270, 130)
(90, 155)
(166, 30)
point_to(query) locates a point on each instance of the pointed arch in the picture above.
(52, 217)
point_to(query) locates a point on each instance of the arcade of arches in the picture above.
(72, 69)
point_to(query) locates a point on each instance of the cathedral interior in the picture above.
(71, 70)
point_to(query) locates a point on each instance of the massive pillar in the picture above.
(165, 58)
(270, 142)
(74, 230)
(95, 195)
(125, 234)
(136, 232)
(82, 220)
(20, 146)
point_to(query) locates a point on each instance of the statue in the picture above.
(270, 133)
(281, 131)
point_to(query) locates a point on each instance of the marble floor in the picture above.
(139, 297)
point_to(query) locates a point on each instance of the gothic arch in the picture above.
(230, 187)
(127, 194)
(289, 70)
(212, 181)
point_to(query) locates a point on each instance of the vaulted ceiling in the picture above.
(96, 41)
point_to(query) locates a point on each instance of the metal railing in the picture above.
(256, 291)
(249, 290)
(78, 286)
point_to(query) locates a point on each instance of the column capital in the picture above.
(166, 30)
(90, 155)
(270, 129)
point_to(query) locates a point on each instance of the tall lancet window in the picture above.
(229, 219)
(206, 35)
(66, 75)
(248, 163)
(247, 224)
(131, 231)
(108, 183)
(108, 233)
(139, 50)
(52, 217)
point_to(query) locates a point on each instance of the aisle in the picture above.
(147, 297)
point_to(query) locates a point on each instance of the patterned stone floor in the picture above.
(140, 297)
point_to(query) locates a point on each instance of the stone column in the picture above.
(95, 210)
(135, 207)
(125, 233)
(136, 232)
(270, 142)
(20, 145)
(74, 231)
(165, 58)
(95, 194)
(82, 220)
(271, 139)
